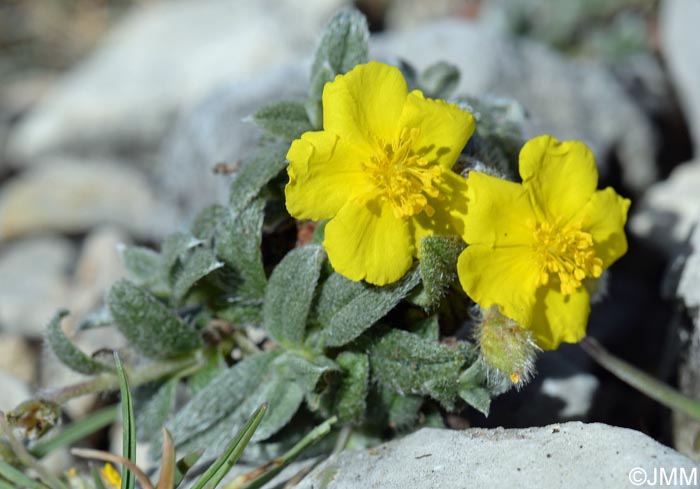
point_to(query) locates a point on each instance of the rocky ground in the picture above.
(115, 142)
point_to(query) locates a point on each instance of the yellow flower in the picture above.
(381, 171)
(111, 475)
(533, 246)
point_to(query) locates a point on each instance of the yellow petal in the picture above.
(324, 173)
(503, 277)
(604, 217)
(560, 318)
(561, 177)
(366, 241)
(450, 211)
(499, 212)
(444, 128)
(364, 105)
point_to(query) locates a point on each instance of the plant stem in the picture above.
(109, 381)
(641, 381)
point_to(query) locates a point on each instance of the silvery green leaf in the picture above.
(438, 266)
(409, 364)
(472, 388)
(148, 325)
(145, 267)
(286, 119)
(280, 378)
(176, 247)
(207, 221)
(67, 352)
(289, 294)
(351, 398)
(439, 80)
(356, 308)
(256, 171)
(343, 45)
(402, 410)
(152, 415)
(198, 265)
(238, 241)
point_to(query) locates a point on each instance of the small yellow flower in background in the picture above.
(533, 245)
(111, 475)
(381, 171)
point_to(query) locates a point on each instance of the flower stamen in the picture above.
(404, 178)
(567, 252)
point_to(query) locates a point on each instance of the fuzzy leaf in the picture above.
(282, 379)
(148, 324)
(351, 399)
(353, 309)
(472, 388)
(439, 80)
(402, 410)
(67, 352)
(438, 266)
(238, 245)
(343, 44)
(207, 221)
(153, 413)
(261, 167)
(289, 294)
(145, 267)
(409, 364)
(286, 119)
(176, 247)
(198, 265)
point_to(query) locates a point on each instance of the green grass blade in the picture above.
(17, 477)
(129, 450)
(184, 465)
(97, 479)
(280, 463)
(76, 431)
(223, 464)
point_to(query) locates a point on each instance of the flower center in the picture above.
(404, 178)
(566, 251)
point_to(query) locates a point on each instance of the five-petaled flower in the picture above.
(533, 246)
(381, 171)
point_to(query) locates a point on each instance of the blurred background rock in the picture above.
(113, 115)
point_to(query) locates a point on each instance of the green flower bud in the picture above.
(506, 348)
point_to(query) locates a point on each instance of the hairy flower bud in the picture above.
(507, 349)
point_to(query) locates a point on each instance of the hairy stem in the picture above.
(109, 381)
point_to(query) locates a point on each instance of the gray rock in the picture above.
(97, 268)
(680, 39)
(566, 98)
(572, 455)
(34, 283)
(72, 196)
(160, 59)
(217, 131)
(17, 357)
(686, 430)
(668, 211)
(14, 391)
(689, 283)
